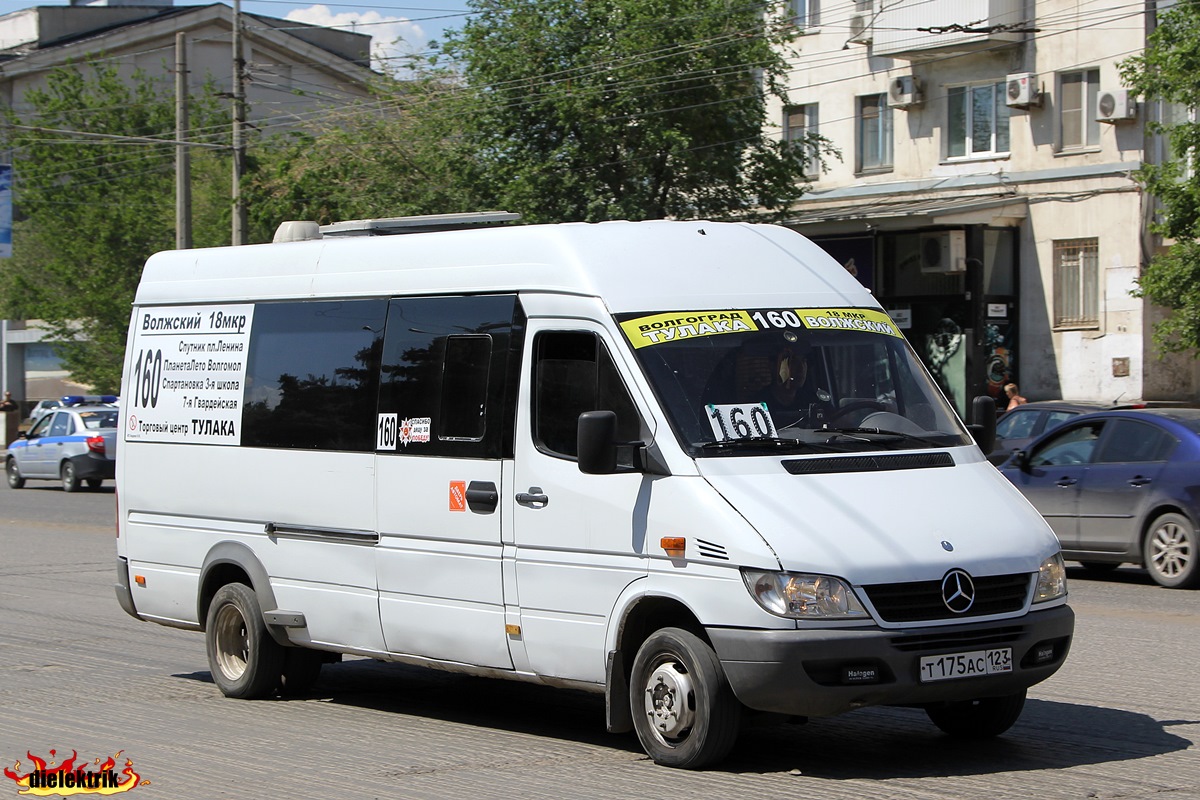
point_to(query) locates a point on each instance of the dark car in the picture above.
(1120, 487)
(1019, 427)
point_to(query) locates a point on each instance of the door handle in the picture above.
(1138, 480)
(533, 498)
(1065, 482)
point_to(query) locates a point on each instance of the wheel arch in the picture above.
(234, 562)
(640, 616)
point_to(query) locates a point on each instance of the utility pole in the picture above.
(239, 121)
(183, 157)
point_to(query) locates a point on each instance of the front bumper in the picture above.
(822, 672)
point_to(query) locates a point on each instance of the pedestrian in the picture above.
(8, 405)
(1014, 397)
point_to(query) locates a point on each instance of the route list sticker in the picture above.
(187, 374)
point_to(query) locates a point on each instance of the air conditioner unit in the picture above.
(1022, 90)
(1115, 105)
(860, 29)
(904, 91)
(943, 252)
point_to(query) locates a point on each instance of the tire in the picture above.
(69, 476)
(15, 481)
(982, 718)
(94, 483)
(244, 660)
(1170, 552)
(684, 712)
(301, 668)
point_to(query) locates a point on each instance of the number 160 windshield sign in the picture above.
(188, 374)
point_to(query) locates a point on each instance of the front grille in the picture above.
(921, 601)
(951, 639)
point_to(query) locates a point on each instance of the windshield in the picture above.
(790, 379)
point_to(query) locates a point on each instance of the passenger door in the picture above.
(1051, 482)
(1117, 486)
(444, 438)
(580, 539)
(30, 455)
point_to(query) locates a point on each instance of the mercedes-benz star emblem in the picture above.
(958, 591)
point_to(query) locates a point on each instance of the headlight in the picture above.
(799, 596)
(1052, 579)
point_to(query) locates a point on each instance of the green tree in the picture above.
(91, 208)
(585, 110)
(1166, 70)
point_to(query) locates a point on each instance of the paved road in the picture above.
(1119, 721)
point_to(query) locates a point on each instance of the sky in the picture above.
(397, 29)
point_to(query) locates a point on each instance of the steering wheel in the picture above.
(857, 405)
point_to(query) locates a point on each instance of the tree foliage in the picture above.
(90, 210)
(1166, 70)
(586, 110)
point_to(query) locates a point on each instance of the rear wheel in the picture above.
(15, 481)
(982, 718)
(69, 476)
(684, 712)
(1169, 552)
(244, 660)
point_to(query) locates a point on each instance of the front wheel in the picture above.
(70, 477)
(1170, 553)
(982, 718)
(15, 481)
(244, 660)
(684, 711)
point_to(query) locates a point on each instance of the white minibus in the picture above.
(692, 466)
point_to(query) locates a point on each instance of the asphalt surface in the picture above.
(1120, 720)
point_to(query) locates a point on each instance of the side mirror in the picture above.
(596, 440)
(983, 423)
(1021, 459)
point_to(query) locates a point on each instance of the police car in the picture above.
(73, 444)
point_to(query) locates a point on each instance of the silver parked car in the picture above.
(75, 445)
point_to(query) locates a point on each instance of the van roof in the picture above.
(632, 266)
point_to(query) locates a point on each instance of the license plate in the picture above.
(966, 665)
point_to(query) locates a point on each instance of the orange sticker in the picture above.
(458, 495)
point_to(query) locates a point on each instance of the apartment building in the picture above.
(292, 72)
(985, 189)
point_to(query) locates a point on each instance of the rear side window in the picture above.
(445, 371)
(312, 375)
(62, 425)
(1130, 441)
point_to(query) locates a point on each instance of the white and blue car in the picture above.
(76, 445)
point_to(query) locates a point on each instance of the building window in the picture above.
(1076, 283)
(874, 133)
(977, 122)
(805, 13)
(799, 123)
(1078, 104)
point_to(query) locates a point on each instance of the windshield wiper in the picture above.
(896, 436)
(764, 443)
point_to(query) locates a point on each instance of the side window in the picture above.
(1130, 441)
(312, 375)
(1016, 425)
(62, 425)
(1075, 445)
(40, 427)
(445, 374)
(573, 373)
(1056, 418)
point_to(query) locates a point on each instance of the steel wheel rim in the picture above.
(231, 641)
(670, 700)
(68, 474)
(1170, 550)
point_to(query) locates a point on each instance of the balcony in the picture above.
(919, 31)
